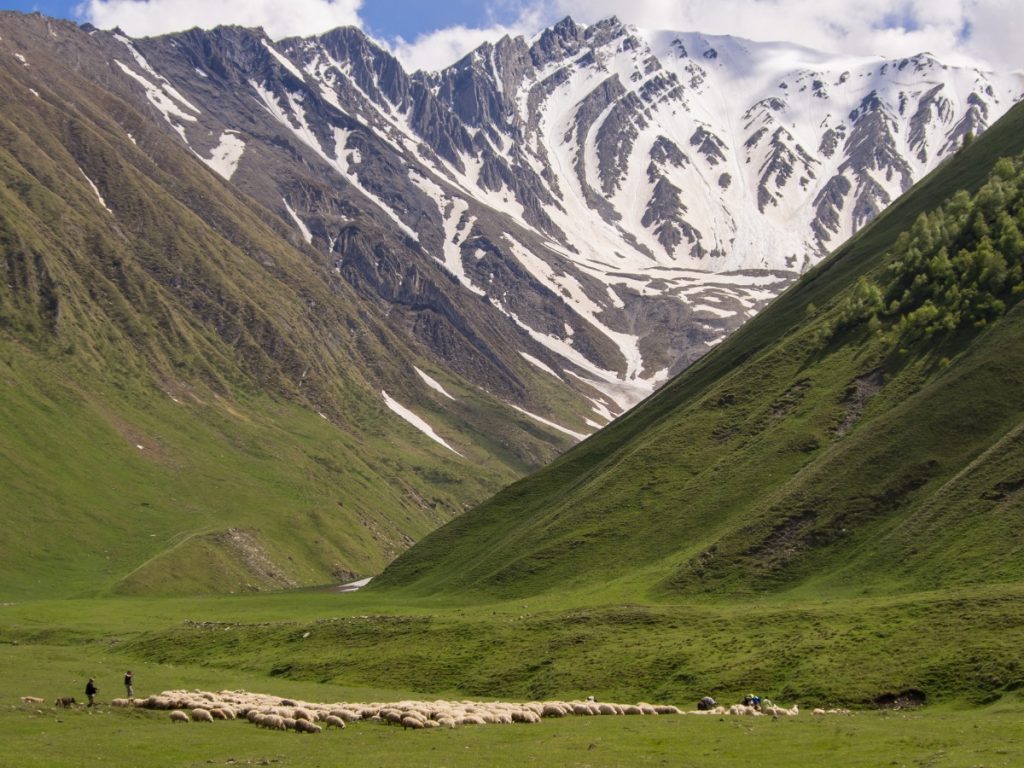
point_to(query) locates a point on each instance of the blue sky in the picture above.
(434, 33)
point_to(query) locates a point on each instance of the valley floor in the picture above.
(365, 646)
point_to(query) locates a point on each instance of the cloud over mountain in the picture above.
(977, 32)
(143, 18)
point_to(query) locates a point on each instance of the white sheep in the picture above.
(177, 716)
(334, 720)
(201, 715)
(272, 722)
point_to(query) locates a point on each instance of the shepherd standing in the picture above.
(91, 690)
(129, 685)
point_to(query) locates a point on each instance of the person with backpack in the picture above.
(91, 690)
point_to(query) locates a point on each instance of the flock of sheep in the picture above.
(276, 713)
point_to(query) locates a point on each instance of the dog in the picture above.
(64, 702)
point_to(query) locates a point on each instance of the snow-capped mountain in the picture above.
(600, 203)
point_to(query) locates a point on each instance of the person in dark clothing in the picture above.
(91, 690)
(129, 684)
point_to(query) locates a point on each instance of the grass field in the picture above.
(43, 736)
(960, 647)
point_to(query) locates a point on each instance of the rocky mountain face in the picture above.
(210, 239)
(612, 201)
(598, 205)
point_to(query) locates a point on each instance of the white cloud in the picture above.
(974, 32)
(957, 31)
(141, 18)
(442, 47)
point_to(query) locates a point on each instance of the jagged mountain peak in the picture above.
(597, 167)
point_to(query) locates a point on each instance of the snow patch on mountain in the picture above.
(416, 421)
(225, 157)
(96, 191)
(575, 435)
(432, 383)
(539, 364)
(306, 234)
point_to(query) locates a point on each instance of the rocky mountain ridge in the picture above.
(602, 202)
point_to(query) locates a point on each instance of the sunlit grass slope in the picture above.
(190, 399)
(803, 454)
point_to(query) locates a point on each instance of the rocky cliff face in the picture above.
(596, 206)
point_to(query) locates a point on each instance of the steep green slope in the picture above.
(806, 452)
(189, 401)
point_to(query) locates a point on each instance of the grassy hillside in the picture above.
(804, 454)
(190, 399)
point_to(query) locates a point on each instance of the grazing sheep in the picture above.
(120, 703)
(391, 715)
(201, 715)
(64, 702)
(269, 712)
(818, 712)
(177, 716)
(305, 726)
(742, 709)
(667, 709)
(32, 700)
(274, 723)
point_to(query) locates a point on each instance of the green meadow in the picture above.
(961, 648)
